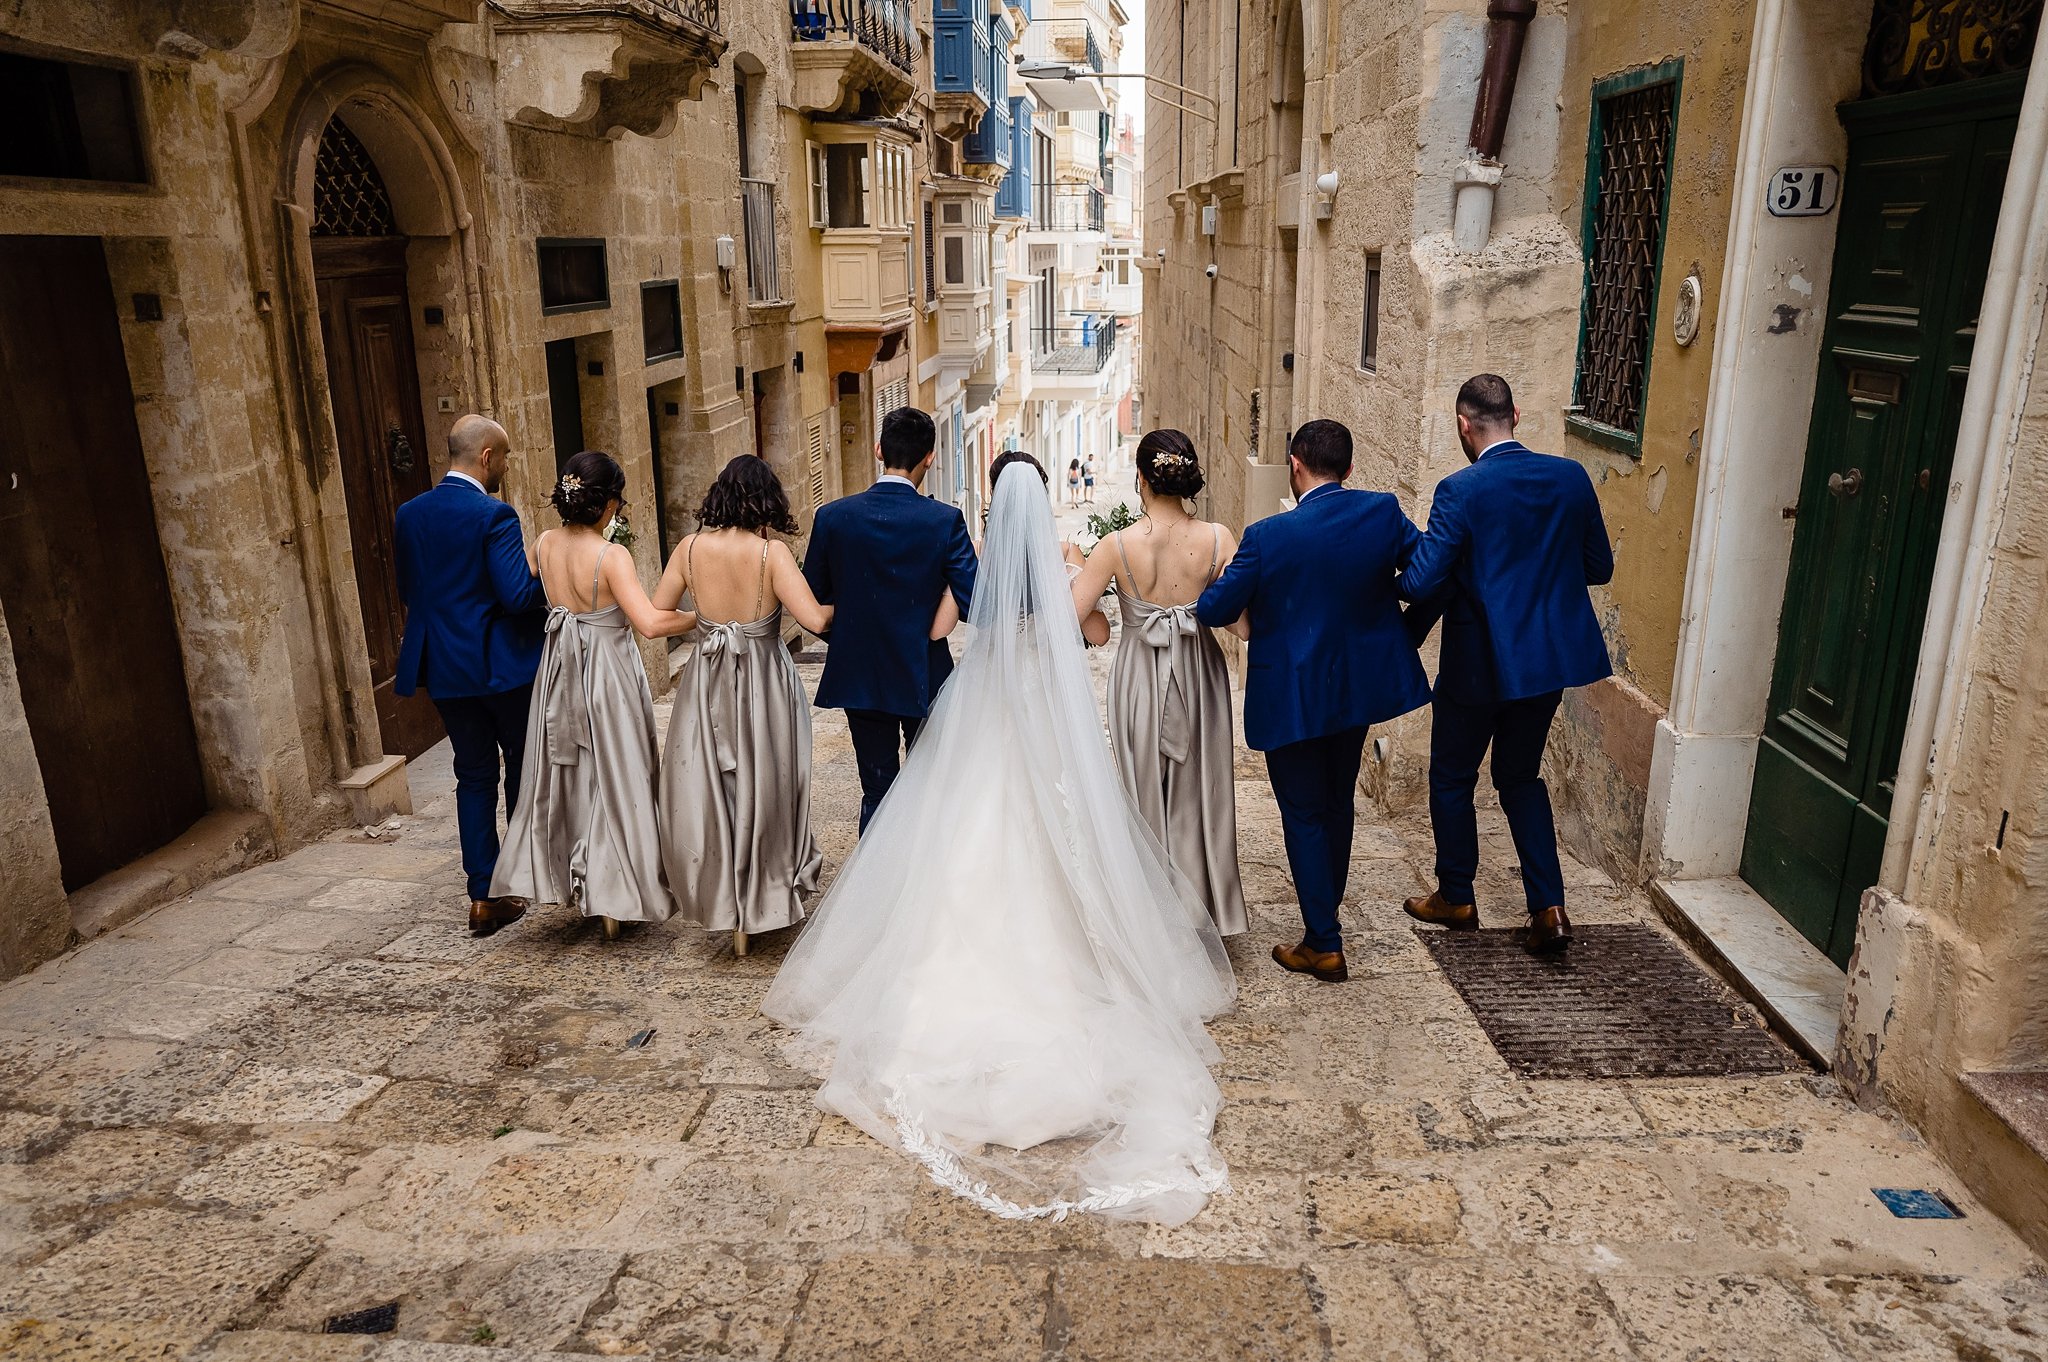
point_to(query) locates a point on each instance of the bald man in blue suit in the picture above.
(1514, 542)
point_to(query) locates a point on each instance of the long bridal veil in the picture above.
(1007, 980)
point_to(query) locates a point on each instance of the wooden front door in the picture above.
(367, 329)
(82, 579)
(1919, 205)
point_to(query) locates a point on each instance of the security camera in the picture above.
(1211, 271)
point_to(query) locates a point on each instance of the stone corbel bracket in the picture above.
(177, 29)
(601, 72)
(832, 75)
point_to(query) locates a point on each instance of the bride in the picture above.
(1007, 980)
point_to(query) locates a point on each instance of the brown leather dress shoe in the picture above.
(1327, 966)
(488, 915)
(1550, 931)
(1458, 917)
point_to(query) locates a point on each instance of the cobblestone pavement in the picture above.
(306, 1090)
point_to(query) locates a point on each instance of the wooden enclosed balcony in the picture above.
(604, 67)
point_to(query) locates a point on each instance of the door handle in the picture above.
(1842, 486)
(399, 449)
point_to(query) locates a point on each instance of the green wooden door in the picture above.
(1919, 206)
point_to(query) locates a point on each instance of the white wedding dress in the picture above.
(1007, 981)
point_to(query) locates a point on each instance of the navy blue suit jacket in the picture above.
(1513, 542)
(473, 609)
(882, 558)
(1328, 650)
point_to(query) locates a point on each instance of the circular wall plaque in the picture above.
(1685, 318)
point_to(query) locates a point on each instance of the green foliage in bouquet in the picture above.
(1103, 524)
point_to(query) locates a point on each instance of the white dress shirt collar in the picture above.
(896, 477)
(458, 473)
(1511, 440)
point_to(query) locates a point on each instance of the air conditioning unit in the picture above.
(1208, 219)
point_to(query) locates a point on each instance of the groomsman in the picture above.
(1514, 541)
(473, 617)
(886, 557)
(1329, 656)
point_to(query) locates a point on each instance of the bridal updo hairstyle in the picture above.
(1005, 459)
(590, 482)
(1169, 466)
(747, 496)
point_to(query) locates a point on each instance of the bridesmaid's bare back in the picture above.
(568, 564)
(1169, 562)
(728, 573)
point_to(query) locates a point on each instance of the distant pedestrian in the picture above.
(1088, 481)
(1073, 482)
(1518, 628)
(585, 831)
(473, 615)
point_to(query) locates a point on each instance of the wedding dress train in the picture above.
(1006, 962)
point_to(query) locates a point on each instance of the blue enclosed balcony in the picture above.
(962, 79)
(990, 143)
(1014, 194)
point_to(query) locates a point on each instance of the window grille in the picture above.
(1919, 44)
(349, 198)
(1628, 168)
(931, 272)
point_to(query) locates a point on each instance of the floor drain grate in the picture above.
(378, 1319)
(1623, 1002)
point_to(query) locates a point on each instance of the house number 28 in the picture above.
(1803, 191)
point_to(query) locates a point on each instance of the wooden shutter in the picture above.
(815, 439)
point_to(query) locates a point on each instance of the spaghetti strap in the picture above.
(761, 587)
(1118, 537)
(596, 572)
(1215, 549)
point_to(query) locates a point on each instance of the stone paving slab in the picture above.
(305, 1091)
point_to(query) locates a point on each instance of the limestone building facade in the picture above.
(1772, 271)
(257, 256)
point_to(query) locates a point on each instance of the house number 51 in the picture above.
(1803, 191)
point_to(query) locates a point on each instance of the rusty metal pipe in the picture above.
(1507, 28)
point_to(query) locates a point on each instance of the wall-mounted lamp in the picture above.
(728, 260)
(1326, 195)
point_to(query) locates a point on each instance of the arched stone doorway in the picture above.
(359, 271)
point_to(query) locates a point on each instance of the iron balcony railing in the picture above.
(757, 200)
(1082, 347)
(1077, 208)
(884, 27)
(1065, 40)
(703, 12)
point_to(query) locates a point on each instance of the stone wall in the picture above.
(1599, 751)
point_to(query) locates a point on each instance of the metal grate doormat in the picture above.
(1623, 1002)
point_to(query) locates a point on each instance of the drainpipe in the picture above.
(1478, 175)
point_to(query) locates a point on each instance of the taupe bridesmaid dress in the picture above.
(736, 779)
(1169, 725)
(584, 831)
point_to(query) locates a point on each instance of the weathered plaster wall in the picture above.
(37, 921)
(1600, 747)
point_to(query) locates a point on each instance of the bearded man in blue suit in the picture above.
(1514, 542)
(474, 612)
(884, 558)
(1329, 658)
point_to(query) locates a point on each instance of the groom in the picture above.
(884, 558)
(473, 616)
(1329, 656)
(1514, 541)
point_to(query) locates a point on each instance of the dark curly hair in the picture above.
(747, 496)
(1168, 464)
(590, 481)
(1008, 457)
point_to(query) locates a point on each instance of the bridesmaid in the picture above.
(736, 779)
(1169, 689)
(584, 830)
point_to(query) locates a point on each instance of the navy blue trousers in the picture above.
(879, 742)
(1458, 738)
(480, 729)
(1315, 782)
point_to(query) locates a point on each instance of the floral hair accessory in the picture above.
(571, 483)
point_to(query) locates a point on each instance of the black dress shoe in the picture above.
(1550, 931)
(1327, 966)
(1458, 917)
